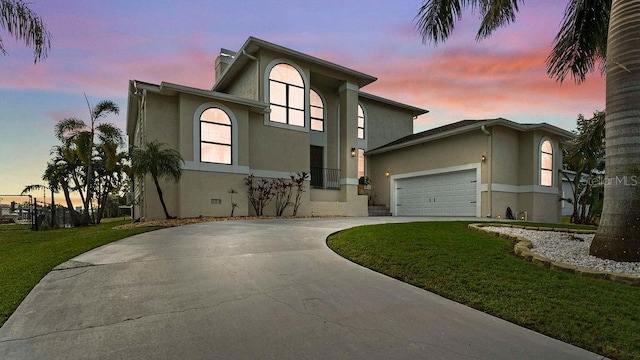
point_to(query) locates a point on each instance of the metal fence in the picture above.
(29, 211)
(322, 178)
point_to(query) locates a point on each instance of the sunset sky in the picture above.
(97, 46)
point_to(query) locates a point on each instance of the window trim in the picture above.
(267, 82)
(197, 156)
(540, 168)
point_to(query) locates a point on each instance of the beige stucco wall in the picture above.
(504, 155)
(199, 188)
(437, 154)
(384, 123)
(246, 84)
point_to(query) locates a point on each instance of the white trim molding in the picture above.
(267, 120)
(234, 135)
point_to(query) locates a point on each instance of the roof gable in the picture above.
(462, 127)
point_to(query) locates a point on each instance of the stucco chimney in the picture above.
(223, 60)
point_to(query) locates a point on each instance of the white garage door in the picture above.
(446, 194)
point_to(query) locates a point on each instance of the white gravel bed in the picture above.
(569, 249)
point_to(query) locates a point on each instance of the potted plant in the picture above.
(364, 184)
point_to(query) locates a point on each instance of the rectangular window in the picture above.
(215, 153)
(278, 93)
(278, 114)
(546, 177)
(216, 133)
(361, 168)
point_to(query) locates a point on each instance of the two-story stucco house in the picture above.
(274, 111)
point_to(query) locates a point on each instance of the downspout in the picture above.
(489, 169)
(245, 53)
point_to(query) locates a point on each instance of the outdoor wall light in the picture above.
(353, 152)
(483, 158)
(387, 173)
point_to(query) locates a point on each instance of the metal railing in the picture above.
(322, 178)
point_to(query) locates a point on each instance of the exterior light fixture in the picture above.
(353, 152)
(483, 158)
(387, 173)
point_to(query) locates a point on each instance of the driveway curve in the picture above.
(266, 289)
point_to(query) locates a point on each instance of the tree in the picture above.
(584, 155)
(158, 161)
(23, 24)
(78, 136)
(29, 188)
(592, 32)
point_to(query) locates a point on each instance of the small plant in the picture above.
(233, 205)
(282, 191)
(260, 193)
(297, 182)
(364, 180)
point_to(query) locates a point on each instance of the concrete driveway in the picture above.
(268, 289)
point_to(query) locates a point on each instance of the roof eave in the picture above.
(253, 44)
(414, 110)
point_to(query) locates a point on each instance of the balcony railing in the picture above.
(322, 178)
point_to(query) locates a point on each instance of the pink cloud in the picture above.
(481, 84)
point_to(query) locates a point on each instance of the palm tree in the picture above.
(159, 162)
(18, 20)
(64, 167)
(592, 32)
(30, 188)
(583, 155)
(77, 134)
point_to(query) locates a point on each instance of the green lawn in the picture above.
(27, 256)
(481, 271)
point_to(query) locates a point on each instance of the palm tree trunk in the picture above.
(164, 207)
(618, 236)
(53, 210)
(72, 212)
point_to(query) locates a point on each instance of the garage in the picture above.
(443, 194)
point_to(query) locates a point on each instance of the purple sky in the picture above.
(97, 46)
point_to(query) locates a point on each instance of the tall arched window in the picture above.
(317, 111)
(286, 95)
(215, 136)
(546, 163)
(361, 122)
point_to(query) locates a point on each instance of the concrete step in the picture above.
(379, 210)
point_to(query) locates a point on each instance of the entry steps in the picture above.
(379, 210)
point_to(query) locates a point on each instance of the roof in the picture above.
(136, 88)
(253, 45)
(462, 127)
(414, 110)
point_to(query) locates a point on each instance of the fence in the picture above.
(322, 178)
(27, 210)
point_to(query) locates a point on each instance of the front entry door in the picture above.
(316, 163)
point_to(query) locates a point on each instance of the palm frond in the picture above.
(495, 14)
(103, 108)
(109, 133)
(67, 128)
(30, 188)
(24, 24)
(581, 41)
(436, 18)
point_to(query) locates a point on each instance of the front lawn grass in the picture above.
(481, 271)
(27, 256)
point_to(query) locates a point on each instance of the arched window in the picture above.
(286, 95)
(546, 163)
(361, 122)
(215, 136)
(316, 107)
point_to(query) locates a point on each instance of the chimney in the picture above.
(222, 61)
